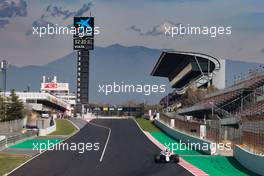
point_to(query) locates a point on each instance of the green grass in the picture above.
(8, 163)
(64, 127)
(147, 125)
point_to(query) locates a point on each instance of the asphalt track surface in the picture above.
(128, 153)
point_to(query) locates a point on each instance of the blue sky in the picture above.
(115, 18)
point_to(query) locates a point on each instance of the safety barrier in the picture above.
(6, 141)
(249, 160)
(184, 137)
(46, 131)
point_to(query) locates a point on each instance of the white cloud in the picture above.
(115, 18)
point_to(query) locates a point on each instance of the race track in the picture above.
(128, 153)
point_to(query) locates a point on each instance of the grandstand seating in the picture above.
(253, 109)
(227, 95)
(224, 98)
(253, 118)
(245, 98)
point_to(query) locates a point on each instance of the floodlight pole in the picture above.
(167, 103)
(212, 105)
(208, 84)
(3, 69)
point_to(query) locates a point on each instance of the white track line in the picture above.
(78, 128)
(29, 160)
(106, 143)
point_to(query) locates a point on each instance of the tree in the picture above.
(194, 95)
(211, 89)
(130, 103)
(2, 112)
(15, 108)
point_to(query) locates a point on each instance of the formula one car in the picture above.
(166, 157)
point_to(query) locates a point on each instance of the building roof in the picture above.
(169, 60)
(182, 68)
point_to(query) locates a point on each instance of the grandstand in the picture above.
(233, 114)
(45, 101)
(188, 69)
(42, 107)
(243, 98)
(240, 111)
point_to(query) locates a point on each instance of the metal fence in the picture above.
(12, 139)
(165, 119)
(249, 134)
(253, 134)
(187, 126)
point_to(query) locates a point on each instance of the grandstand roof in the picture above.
(182, 67)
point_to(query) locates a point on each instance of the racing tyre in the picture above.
(157, 158)
(175, 158)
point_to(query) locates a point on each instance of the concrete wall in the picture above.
(249, 160)
(219, 79)
(183, 137)
(11, 126)
(171, 114)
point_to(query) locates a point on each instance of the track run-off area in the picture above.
(124, 150)
(210, 164)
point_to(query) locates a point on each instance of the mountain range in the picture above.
(115, 63)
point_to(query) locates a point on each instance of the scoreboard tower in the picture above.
(83, 42)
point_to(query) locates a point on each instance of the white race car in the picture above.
(166, 157)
